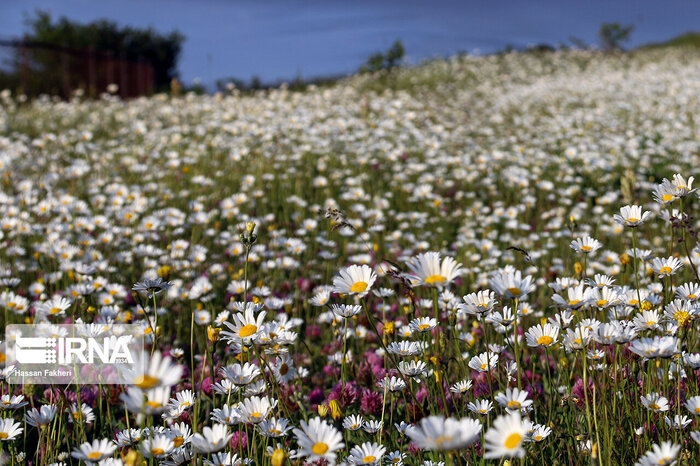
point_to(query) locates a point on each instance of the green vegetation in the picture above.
(689, 39)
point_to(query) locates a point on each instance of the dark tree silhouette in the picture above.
(61, 52)
(612, 35)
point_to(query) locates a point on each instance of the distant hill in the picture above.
(689, 39)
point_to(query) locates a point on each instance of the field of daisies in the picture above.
(481, 260)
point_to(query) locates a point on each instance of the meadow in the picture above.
(480, 260)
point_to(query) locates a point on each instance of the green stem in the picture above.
(155, 330)
(342, 360)
(486, 336)
(551, 387)
(515, 341)
(585, 394)
(636, 278)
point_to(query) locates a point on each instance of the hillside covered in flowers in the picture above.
(477, 260)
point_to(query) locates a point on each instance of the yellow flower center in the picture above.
(178, 441)
(94, 455)
(665, 269)
(586, 248)
(247, 330)
(513, 441)
(653, 406)
(254, 415)
(157, 451)
(54, 310)
(153, 404)
(184, 404)
(435, 279)
(3, 435)
(545, 340)
(422, 327)
(442, 439)
(668, 197)
(574, 302)
(146, 381)
(481, 411)
(319, 448)
(515, 291)
(601, 302)
(284, 369)
(369, 459)
(358, 287)
(513, 404)
(632, 219)
(538, 438)
(483, 366)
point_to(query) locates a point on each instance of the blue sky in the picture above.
(276, 39)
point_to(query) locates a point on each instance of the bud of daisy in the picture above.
(624, 259)
(213, 333)
(336, 412)
(322, 410)
(578, 267)
(279, 457)
(248, 237)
